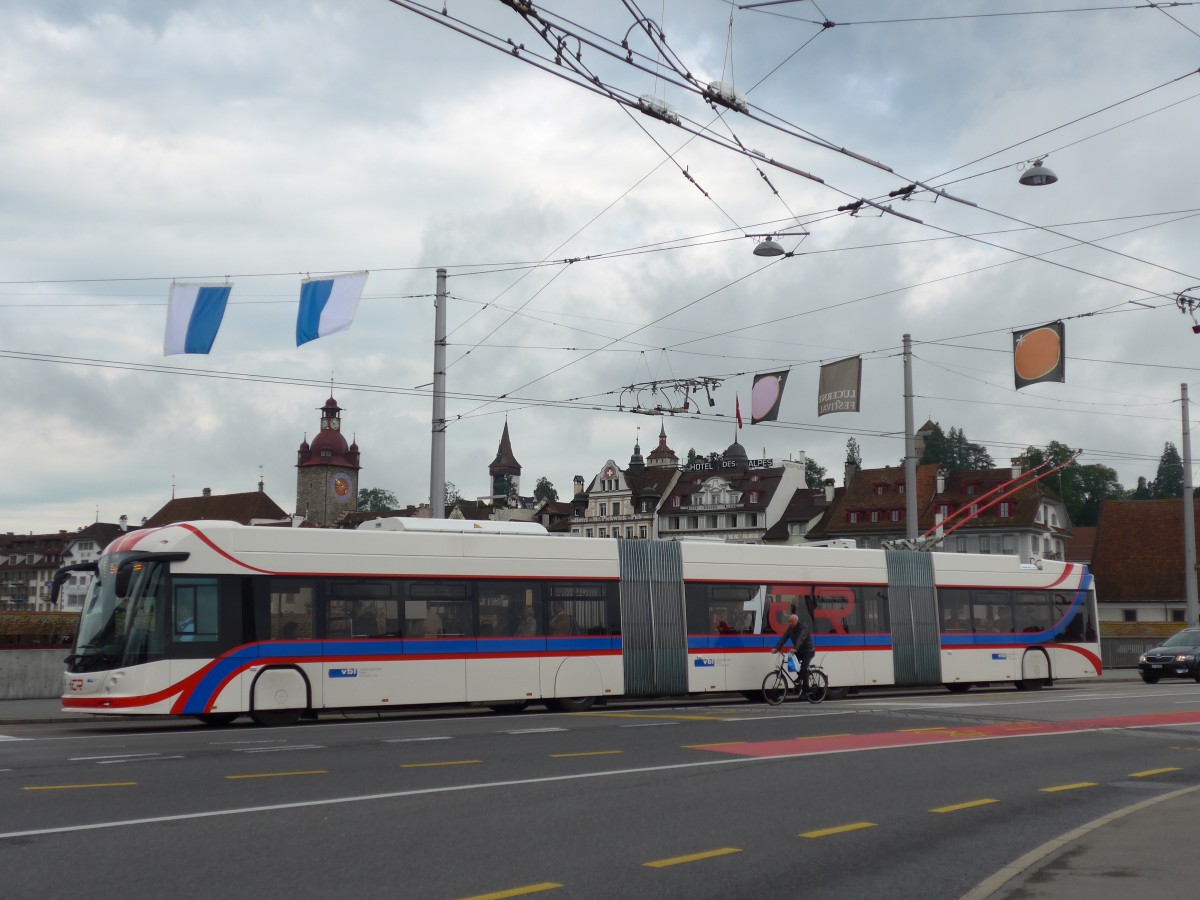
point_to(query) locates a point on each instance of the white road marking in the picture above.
(8, 737)
(113, 762)
(110, 756)
(536, 731)
(282, 749)
(648, 725)
(415, 739)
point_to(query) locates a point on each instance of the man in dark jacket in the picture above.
(802, 641)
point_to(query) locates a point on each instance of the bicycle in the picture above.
(777, 682)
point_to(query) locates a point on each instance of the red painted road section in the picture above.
(843, 743)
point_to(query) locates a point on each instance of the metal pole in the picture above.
(437, 452)
(1189, 518)
(910, 447)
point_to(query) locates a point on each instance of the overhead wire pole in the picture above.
(910, 448)
(437, 450)
(1189, 517)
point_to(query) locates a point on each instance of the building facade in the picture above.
(27, 566)
(624, 503)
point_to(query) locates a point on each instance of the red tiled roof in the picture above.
(228, 507)
(1138, 556)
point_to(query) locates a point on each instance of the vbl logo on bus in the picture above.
(343, 673)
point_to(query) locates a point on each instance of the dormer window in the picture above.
(852, 518)
(676, 500)
(900, 488)
(1005, 509)
(880, 489)
(942, 509)
(754, 496)
(874, 515)
(972, 490)
(896, 515)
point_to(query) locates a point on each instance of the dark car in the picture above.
(1176, 657)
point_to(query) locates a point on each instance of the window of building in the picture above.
(754, 496)
(1054, 518)
(1008, 544)
(1129, 615)
(603, 532)
(712, 522)
(731, 521)
(675, 522)
(852, 518)
(1005, 510)
(589, 533)
(629, 531)
(604, 509)
(880, 489)
(942, 509)
(1177, 615)
(894, 515)
(642, 532)
(752, 520)
(874, 515)
(676, 500)
(616, 507)
(974, 509)
(985, 544)
(900, 488)
(960, 545)
(693, 522)
(972, 489)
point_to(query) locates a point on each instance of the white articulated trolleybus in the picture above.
(216, 620)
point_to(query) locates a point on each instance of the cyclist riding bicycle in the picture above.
(802, 641)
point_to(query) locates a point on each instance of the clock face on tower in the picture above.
(341, 485)
(335, 424)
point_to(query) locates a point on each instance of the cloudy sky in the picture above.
(151, 140)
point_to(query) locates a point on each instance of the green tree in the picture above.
(1143, 491)
(1168, 480)
(1082, 488)
(376, 500)
(853, 454)
(953, 451)
(814, 474)
(505, 487)
(544, 490)
(451, 494)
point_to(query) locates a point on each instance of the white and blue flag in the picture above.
(194, 313)
(327, 305)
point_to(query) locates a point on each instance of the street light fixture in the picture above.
(768, 247)
(1037, 175)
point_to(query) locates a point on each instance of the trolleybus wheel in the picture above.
(570, 704)
(838, 693)
(218, 718)
(958, 687)
(272, 718)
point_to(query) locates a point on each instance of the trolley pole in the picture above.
(1189, 517)
(437, 451)
(910, 448)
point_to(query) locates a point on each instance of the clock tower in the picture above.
(327, 471)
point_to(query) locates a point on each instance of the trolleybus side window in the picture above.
(195, 609)
(1078, 627)
(876, 612)
(837, 610)
(291, 608)
(577, 608)
(509, 609)
(992, 612)
(956, 609)
(721, 608)
(146, 630)
(1033, 611)
(361, 608)
(785, 599)
(439, 609)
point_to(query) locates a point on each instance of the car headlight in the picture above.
(1185, 657)
(1142, 658)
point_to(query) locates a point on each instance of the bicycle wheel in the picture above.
(818, 686)
(775, 687)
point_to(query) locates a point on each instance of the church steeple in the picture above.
(327, 471)
(505, 464)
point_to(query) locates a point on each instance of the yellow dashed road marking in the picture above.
(71, 787)
(452, 762)
(691, 857)
(1150, 772)
(840, 829)
(957, 806)
(1068, 787)
(517, 892)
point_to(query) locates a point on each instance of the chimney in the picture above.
(1018, 466)
(208, 492)
(123, 523)
(829, 489)
(941, 481)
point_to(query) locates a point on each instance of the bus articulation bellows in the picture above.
(217, 620)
